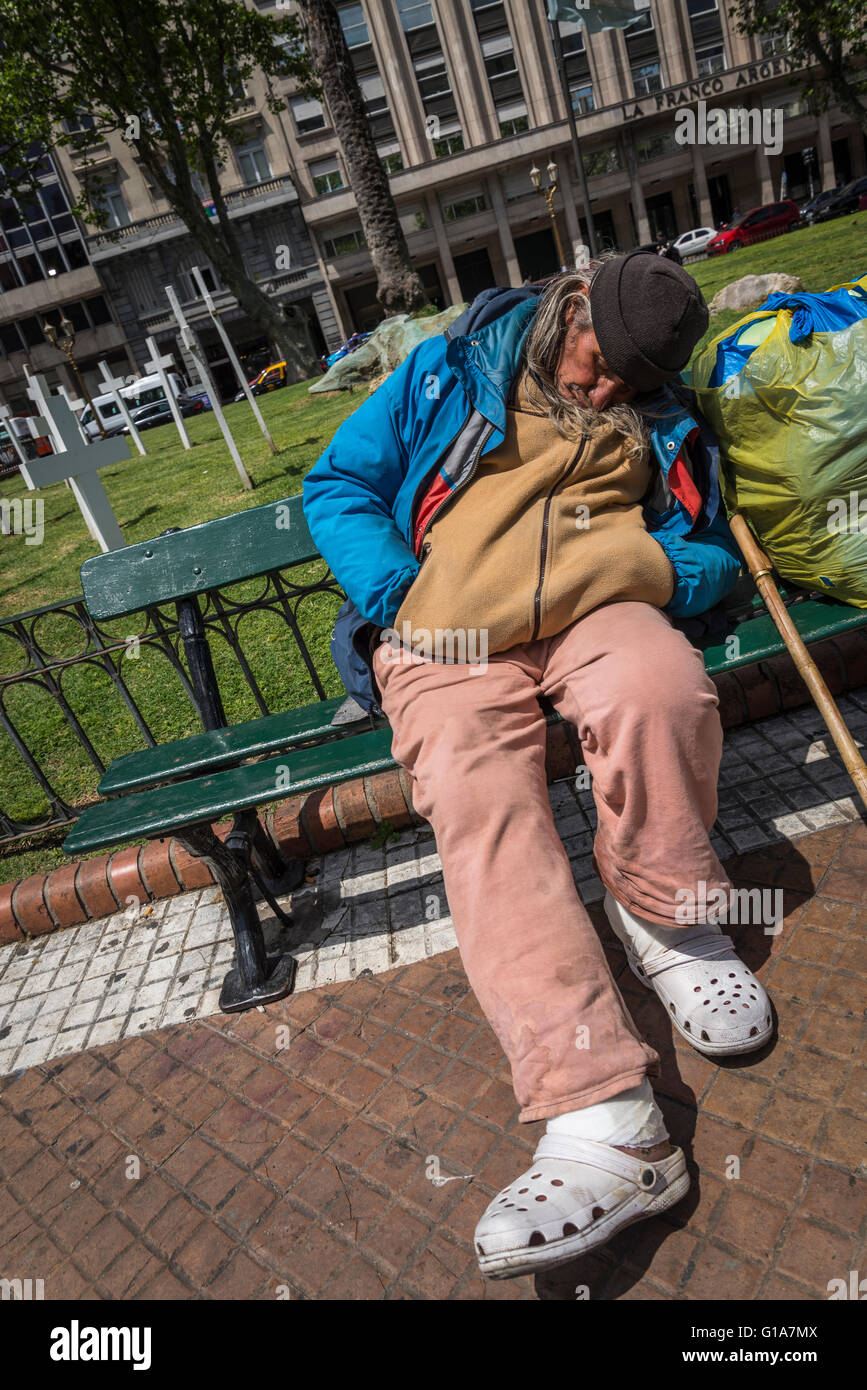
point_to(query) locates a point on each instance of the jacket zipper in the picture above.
(543, 549)
(458, 490)
(431, 474)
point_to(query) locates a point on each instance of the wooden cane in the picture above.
(760, 569)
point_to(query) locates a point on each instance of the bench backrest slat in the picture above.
(224, 551)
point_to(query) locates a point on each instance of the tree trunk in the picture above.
(399, 286)
(220, 246)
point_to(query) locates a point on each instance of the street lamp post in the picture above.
(560, 63)
(65, 341)
(548, 192)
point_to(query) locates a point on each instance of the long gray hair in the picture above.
(544, 348)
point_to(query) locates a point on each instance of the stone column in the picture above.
(827, 174)
(609, 86)
(702, 194)
(401, 87)
(435, 218)
(470, 83)
(535, 57)
(636, 192)
(765, 176)
(570, 204)
(672, 45)
(507, 245)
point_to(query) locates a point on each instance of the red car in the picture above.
(756, 225)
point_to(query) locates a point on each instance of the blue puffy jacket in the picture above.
(431, 420)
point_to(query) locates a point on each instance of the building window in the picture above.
(657, 147)
(307, 114)
(516, 186)
(79, 123)
(464, 207)
(11, 338)
(413, 219)
(697, 7)
(499, 58)
(583, 100)
(414, 14)
(326, 175)
(513, 119)
(646, 79)
(390, 156)
(373, 91)
(772, 44)
(116, 212)
(253, 162)
(75, 253)
(606, 161)
(432, 77)
(571, 37)
(448, 144)
(710, 60)
(354, 26)
(344, 243)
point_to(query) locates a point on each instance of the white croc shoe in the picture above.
(713, 999)
(575, 1195)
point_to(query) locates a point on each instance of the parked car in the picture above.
(695, 242)
(811, 210)
(756, 225)
(349, 346)
(848, 199)
(270, 379)
(147, 417)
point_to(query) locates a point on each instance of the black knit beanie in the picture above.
(648, 314)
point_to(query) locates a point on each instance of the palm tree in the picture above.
(399, 286)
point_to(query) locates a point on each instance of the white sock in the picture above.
(632, 1117)
(648, 939)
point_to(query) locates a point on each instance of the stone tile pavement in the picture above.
(342, 1143)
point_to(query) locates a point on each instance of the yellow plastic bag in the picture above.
(785, 389)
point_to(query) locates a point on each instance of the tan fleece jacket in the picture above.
(546, 530)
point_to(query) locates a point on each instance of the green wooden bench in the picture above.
(182, 787)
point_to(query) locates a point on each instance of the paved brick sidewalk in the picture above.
(304, 1168)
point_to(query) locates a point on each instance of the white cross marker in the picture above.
(195, 349)
(231, 354)
(79, 463)
(114, 384)
(158, 364)
(76, 404)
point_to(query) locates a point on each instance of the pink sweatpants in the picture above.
(473, 744)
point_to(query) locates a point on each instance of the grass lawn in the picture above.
(171, 487)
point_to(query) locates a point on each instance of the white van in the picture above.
(144, 391)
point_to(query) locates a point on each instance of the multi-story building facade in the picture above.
(469, 98)
(45, 272)
(464, 98)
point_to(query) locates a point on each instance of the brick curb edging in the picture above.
(337, 816)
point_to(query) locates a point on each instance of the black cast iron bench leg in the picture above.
(256, 977)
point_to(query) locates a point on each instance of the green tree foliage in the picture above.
(166, 75)
(826, 37)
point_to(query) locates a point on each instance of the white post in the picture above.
(195, 349)
(114, 384)
(78, 463)
(232, 355)
(158, 364)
